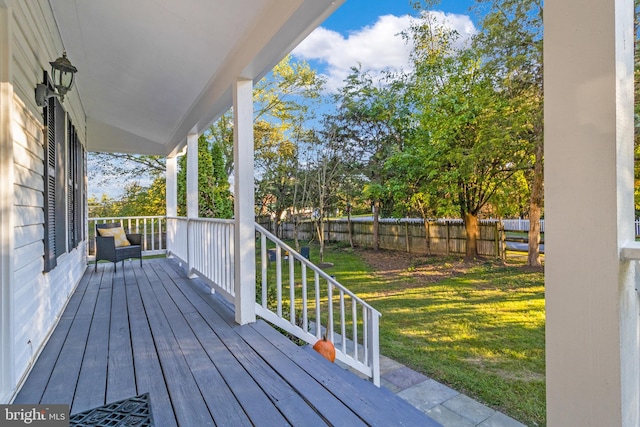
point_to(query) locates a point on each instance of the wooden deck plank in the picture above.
(36, 382)
(120, 375)
(282, 395)
(221, 401)
(64, 377)
(149, 376)
(257, 405)
(180, 383)
(92, 382)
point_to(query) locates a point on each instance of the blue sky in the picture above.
(366, 32)
(355, 14)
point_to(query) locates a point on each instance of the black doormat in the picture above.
(135, 411)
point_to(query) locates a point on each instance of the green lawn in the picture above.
(478, 328)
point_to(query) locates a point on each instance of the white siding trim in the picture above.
(7, 372)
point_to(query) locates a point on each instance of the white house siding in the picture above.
(38, 298)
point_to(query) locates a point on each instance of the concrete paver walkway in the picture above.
(443, 404)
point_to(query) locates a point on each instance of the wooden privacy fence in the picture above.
(441, 237)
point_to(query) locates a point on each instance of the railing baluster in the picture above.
(279, 279)
(153, 234)
(305, 320)
(365, 335)
(292, 290)
(330, 336)
(318, 321)
(354, 318)
(264, 265)
(343, 327)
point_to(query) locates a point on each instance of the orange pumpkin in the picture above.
(326, 349)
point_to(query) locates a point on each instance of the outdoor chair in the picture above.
(113, 244)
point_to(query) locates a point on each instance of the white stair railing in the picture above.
(301, 298)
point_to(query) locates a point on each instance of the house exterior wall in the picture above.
(35, 299)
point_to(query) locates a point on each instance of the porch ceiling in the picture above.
(152, 71)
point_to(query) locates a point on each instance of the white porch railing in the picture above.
(206, 247)
(302, 299)
(152, 228)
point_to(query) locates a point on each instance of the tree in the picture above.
(214, 198)
(511, 43)
(371, 120)
(106, 167)
(222, 200)
(326, 169)
(464, 139)
(283, 110)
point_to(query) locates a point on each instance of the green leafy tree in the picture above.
(464, 139)
(511, 43)
(214, 198)
(371, 120)
(222, 199)
(326, 170)
(283, 103)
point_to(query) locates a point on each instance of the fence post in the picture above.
(447, 236)
(496, 238)
(503, 242)
(406, 233)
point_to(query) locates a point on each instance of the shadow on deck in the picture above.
(151, 330)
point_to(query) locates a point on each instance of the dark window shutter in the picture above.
(60, 211)
(69, 183)
(75, 193)
(80, 195)
(50, 187)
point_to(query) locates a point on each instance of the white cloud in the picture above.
(378, 47)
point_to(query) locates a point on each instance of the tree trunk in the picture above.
(350, 226)
(376, 225)
(320, 232)
(296, 226)
(535, 208)
(471, 227)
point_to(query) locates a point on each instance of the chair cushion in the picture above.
(119, 236)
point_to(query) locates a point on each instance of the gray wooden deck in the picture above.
(151, 329)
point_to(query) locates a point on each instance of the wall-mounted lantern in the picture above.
(62, 74)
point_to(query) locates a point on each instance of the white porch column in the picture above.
(172, 186)
(192, 175)
(192, 198)
(7, 346)
(171, 196)
(591, 303)
(244, 231)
